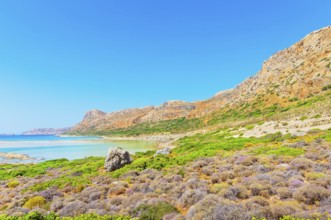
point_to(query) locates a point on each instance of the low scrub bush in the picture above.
(154, 212)
(249, 127)
(52, 216)
(302, 118)
(279, 151)
(13, 184)
(315, 176)
(326, 87)
(311, 194)
(29, 170)
(36, 201)
(301, 164)
(281, 209)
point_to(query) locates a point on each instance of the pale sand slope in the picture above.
(295, 126)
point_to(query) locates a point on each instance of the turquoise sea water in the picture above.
(44, 147)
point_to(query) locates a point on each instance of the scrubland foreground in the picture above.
(208, 176)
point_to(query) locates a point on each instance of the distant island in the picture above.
(46, 131)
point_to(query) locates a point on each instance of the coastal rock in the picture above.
(165, 151)
(14, 156)
(116, 159)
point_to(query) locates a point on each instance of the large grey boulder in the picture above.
(116, 159)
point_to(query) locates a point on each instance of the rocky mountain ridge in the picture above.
(46, 131)
(299, 71)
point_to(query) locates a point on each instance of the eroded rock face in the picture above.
(116, 159)
(93, 114)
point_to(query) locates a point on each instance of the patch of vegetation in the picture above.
(36, 201)
(278, 150)
(77, 173)
(261, 122)
(302, 118)
(154, 212)
(294, 99)
(259, 110)
(249, 127)
(327, 135)
(315, 175)
(13, 184)
(326, 88)
(316, 116)
(10, 171)
(52, 216)
(197, 146)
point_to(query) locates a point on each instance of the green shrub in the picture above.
(52, 216)
(261, 122)
(30, 216)
(36, 201)
(294, 99)
(88, 167)
(29, 170)
(326, 87)
(97, 217)
(303, 118)
(279, 151)
(315, 175)
(13, 184)
(249, 127)
(154, 212)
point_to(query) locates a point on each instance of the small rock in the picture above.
(165, 151)
(283, 166)
(116, 159)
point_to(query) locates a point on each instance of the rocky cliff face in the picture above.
(300, 71)
(98, 121)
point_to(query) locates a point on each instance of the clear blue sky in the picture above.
(59, 59)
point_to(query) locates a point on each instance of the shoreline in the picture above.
(162, 140)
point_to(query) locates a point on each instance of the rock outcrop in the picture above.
(99, 121)
(116, 159)
(299, 71)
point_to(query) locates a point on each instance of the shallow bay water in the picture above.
(45, 147)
